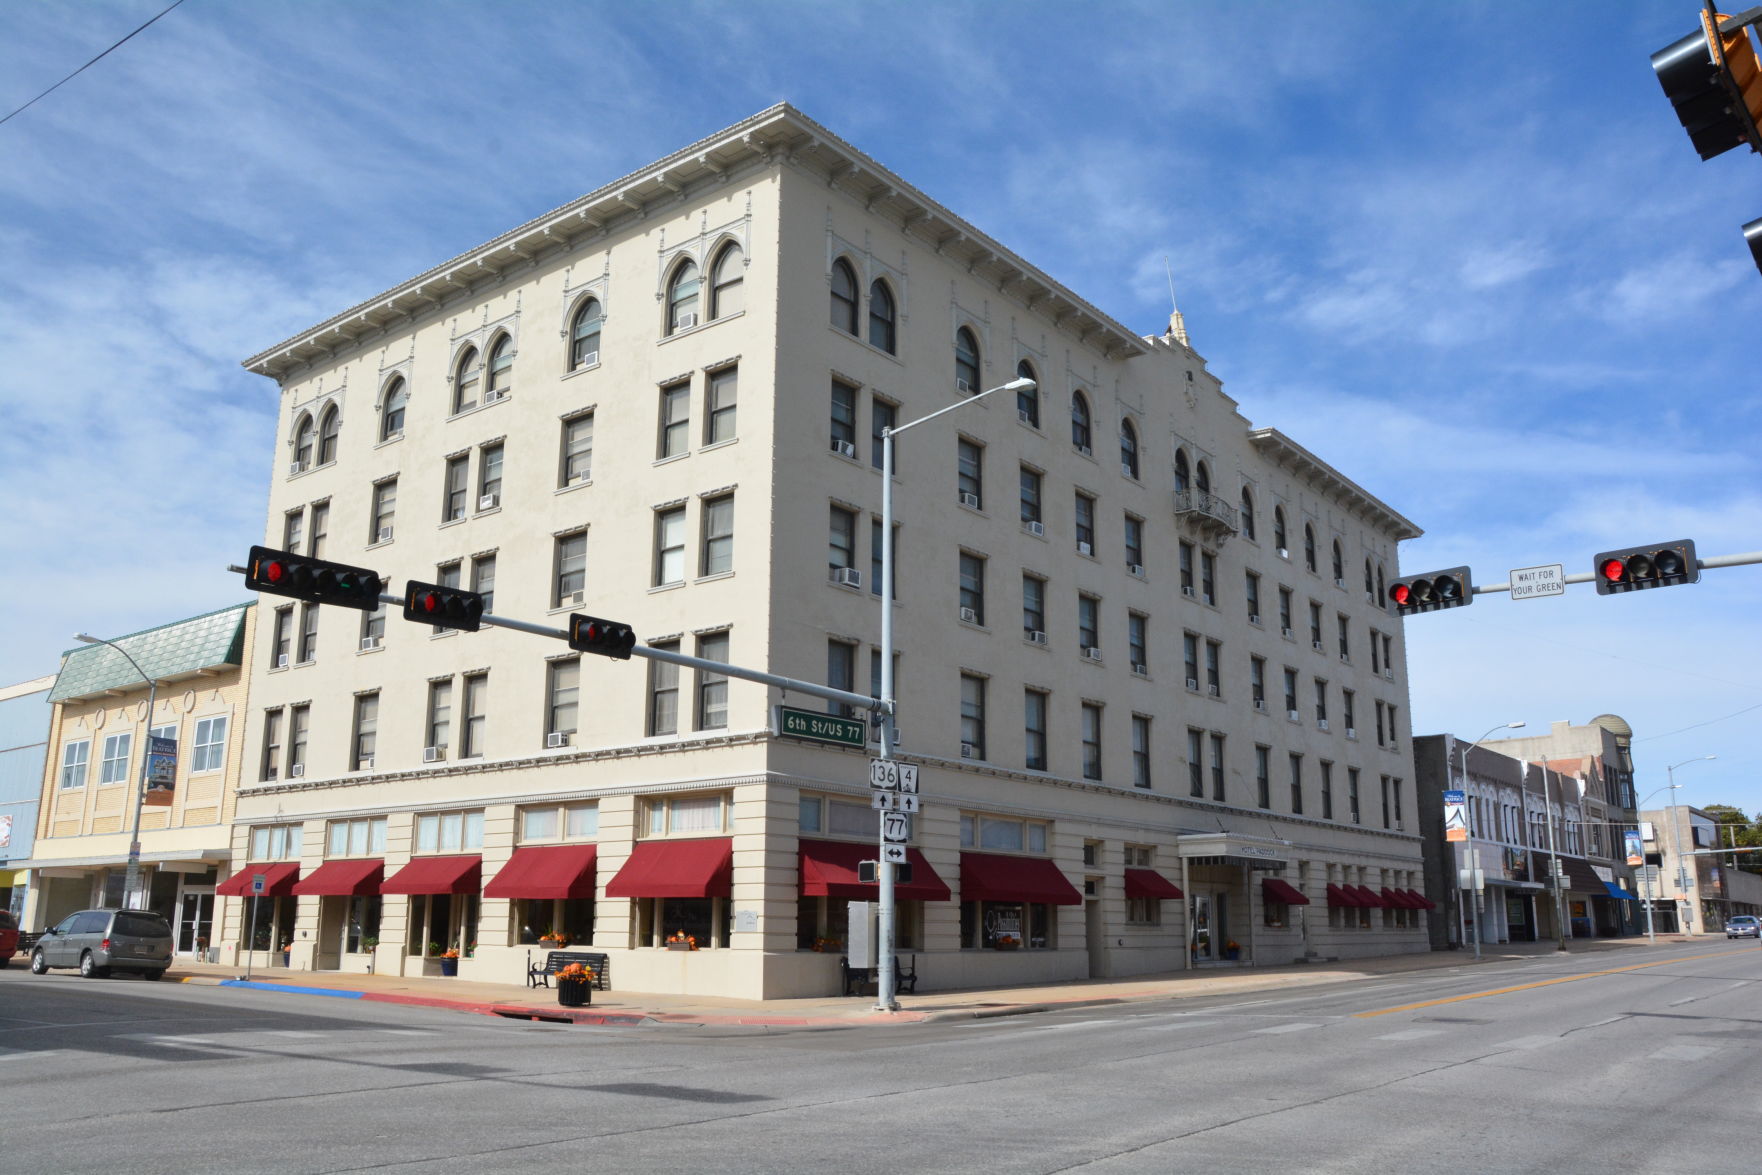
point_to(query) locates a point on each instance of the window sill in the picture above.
(379, 648)
(391, 440)
(709, 445)
(671, 457)
(473, 409)
(491, 510)
(582, 370)
(666, 587)
(688, 331)
(579, 484)
(374, 546)
(451, 522)
(714, 576)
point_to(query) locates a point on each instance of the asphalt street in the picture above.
(1624, 1062)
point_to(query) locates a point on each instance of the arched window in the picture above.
(330, 425)
(882, 330)
(1028, 399)
(1339, 563)
(1279, 535)
(682, 297)
(305, 432)
(844, 297)
(1128, 449)
(1370, 584)
(1183, 472)
(466, 376)
(1080, 421)
(501, 368)
(584, 334)
(966, 362)
(728, 283)
(1381, 593)
(391, 414)
(1202, 477)
(1309, 546)
(1247, 512)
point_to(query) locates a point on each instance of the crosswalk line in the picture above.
(1285, 1028)
(1412, 1034)
(1526, 1042)
(1684, 1052)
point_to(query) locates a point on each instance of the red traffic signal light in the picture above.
(443, 607)
(1651, 566)
(1713, 79)
(608, 638)
(317, 581)
(1435, 590)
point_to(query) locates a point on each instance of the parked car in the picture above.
(8, 937)
(1743, 926)
(101, 941)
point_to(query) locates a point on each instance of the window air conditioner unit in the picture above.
(434, 754)
(1126, 470)
(1187, 590)
(281, 660)
(494, 394)
(1346, 657)
(1192, 683)
(1085, 548)
(575, 598)
(1212, 689)
(1135, 569)
(1141, 669)
(969, 616)
(1321, 724)
(489, 501)
(1294, 715)
(848, 576)
(1284, 632)
(962, 386)
(844, 448)
(1339, 583)
(369, 642)
(1389, 675)
(1085, 450)
(365, 764)
(385, 534)
(1023, 416)
(1318, 646)
(969, 751)
(1037, 529)
(1260, 704)
(684, 321)
(297, 770)
(589, 359)
(1352, 734)
(1254, 620)
(296, 467)
(1036, 637)
(557, 738)
(970, 500)
(1092, 652)
(1284, 553)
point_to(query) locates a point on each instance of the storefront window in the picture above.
(1006, 926)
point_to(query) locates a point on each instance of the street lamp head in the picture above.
(1518, 725)
(86, 638)
(1020, 384)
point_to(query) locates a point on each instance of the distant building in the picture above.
(24, 743)
(98, 733)
(1694, 888)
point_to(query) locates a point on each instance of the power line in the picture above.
(85, 67)
(1698, 725)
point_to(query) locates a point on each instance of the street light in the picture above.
(1554, 878)
(1473, 854)
(884, 988)
(1682, 880)
(132, 879)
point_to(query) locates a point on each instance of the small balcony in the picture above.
(1207, 513)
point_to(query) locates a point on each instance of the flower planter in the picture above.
(574, 993)
(680, 946)
(449, 966)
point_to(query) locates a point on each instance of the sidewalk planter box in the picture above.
(574, 993)
(449, 967)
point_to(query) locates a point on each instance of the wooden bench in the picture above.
(905, 975)
(555, 961)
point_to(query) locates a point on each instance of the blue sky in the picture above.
(1463, 252)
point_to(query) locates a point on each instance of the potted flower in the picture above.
(1231, 950)
(287, 949)
(449, 962)
(828, 946)
(681, 941)
(368, 945)
(575, 985)
(554, 940)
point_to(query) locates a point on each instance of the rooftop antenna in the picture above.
(1177, 324)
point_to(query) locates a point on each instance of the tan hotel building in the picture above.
(1140, 650)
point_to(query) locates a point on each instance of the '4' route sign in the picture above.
(892, 775)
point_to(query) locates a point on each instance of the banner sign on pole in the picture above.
(1455, 816)
(1635, 856)
(161, 771)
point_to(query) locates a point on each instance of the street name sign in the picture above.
(1532, 583)
(822, 728)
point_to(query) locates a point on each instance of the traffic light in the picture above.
(282, 573)
(608, 638)
(1435, 590)
(1753, 235)
(443, 607)
(1713, 78)
(1651, 566)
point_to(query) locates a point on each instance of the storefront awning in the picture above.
(702, 868)
(1396, 899)
(989, 877)
(278, 880)
(829, 870)
(1619, 894)
(432, 875)
(353, 877)
(546, 871)
(1580, 877)
(1420, 901)
(1277, 889)
(1343, 897)
(1148, 883)
(1367, 897)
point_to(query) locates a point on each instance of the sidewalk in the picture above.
(634, 1008)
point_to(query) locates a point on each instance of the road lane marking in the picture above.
(1526, 1042)
(1684, 1052)
(1412, 1034)
(1285, 1028)
(1476, 995)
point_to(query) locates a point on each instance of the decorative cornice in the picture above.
(1286, 453)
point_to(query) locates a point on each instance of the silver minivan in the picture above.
(101, 941)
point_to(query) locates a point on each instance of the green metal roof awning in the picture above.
(179, 649)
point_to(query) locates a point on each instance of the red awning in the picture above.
(702, 868)
(1277, 889)
(829, 870)
(1343, 897)
(546, 871)
(988, 877)
(437, 875)
(1148, 883)
(1396, 900)
(1367, 897)
(1420, 901)
(278, 880)
(352, 878)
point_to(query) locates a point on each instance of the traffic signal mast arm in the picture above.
(1712, 561)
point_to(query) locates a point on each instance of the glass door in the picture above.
(1201, 916)
(195, 922)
